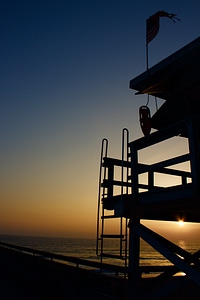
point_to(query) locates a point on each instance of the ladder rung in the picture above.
(110, 217)
(112, 236)
(108, 183)
(112, 255)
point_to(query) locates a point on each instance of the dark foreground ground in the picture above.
(24, 276)
(29, 277)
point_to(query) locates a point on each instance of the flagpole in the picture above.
(152, 28)
(147, 61)
(147, 56)
(147, 50)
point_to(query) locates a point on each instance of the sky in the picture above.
(64, 86)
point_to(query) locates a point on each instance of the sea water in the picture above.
(86, 248)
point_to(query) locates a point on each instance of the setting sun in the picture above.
(181, 223)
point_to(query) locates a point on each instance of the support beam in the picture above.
(154, 240)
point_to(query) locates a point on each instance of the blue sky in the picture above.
(64, 85)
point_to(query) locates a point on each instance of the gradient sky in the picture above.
(64, 85)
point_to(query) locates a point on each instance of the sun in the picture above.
(181, 223)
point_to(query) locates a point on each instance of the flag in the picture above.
(153, 24)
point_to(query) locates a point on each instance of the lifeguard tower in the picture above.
(176, 80)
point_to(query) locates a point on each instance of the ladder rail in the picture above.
(104, 153)
(125, 142)
(106, 184)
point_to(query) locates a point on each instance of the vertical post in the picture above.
(134, 239)
(150, 180)
(104, 151)
(147, 49)
(193, 138)
(147, 64)
(110, 189)
(125, 137)
(110, 179)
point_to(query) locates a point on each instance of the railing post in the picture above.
(110, 180)
(150, 180)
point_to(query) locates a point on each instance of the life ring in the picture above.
(145, 119)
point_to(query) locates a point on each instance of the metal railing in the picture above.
(187, 178)
(79, 262)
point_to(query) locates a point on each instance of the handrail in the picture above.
(163, 170)
(184, 126)
(165, 163)
(79, 261)
(160, 167)
(64, 258)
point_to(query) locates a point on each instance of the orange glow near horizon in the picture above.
(74, 218)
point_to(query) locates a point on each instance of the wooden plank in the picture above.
(158, 136)
(168, 194)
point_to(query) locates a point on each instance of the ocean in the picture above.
(86, 248)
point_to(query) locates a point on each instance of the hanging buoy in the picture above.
(145, 119)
